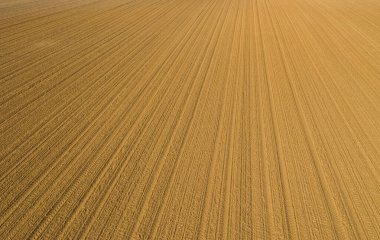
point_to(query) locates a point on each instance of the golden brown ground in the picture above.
(190, 119)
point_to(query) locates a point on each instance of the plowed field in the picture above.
(190, 119)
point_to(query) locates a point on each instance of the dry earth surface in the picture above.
(190, 119)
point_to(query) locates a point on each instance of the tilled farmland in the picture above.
(190, 119)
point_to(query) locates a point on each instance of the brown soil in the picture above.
(190, 119)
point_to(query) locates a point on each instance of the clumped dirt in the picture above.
(190, 119)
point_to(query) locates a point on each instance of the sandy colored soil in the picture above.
(190, 119)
